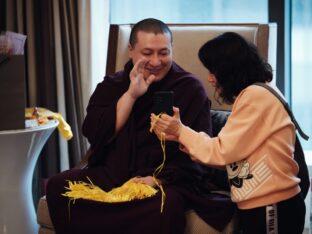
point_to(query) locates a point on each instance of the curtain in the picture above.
(53, 71)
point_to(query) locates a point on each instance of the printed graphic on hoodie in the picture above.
(245, 180)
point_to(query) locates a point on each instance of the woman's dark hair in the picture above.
(148, 25)
(235, 63)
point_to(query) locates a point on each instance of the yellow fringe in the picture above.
(127, 192)
(160, 167)
(158, 170)
(130, 190)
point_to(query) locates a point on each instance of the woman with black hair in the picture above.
(256, 145)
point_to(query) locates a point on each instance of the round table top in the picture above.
(32, 128)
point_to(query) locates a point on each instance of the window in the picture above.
(188, 11)
(301, 66)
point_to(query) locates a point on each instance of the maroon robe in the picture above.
(134, 151)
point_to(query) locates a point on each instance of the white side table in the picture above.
(19, 151)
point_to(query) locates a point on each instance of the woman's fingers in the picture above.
(176, 112)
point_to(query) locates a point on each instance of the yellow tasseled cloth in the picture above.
(42, 116)
(130, 190)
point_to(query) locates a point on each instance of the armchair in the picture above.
(187, 39)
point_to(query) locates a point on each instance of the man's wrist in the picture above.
(129, 96)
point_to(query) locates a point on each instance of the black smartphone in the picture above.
(163, 102)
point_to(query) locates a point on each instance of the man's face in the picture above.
(157, 49)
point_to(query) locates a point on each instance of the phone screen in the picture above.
(163, 102)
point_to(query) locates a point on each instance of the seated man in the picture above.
(117, 126)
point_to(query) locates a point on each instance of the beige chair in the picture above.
(187, 39)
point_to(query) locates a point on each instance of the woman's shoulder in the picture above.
(255, 93)
(257, 98)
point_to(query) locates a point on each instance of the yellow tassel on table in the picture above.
(42, 115)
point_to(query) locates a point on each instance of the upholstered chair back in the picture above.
(187, 39)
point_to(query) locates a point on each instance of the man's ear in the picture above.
(130, 49)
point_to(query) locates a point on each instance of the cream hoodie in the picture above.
(256, 145)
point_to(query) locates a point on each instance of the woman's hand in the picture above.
(148, 180)
(138, 82)
(167, 127)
